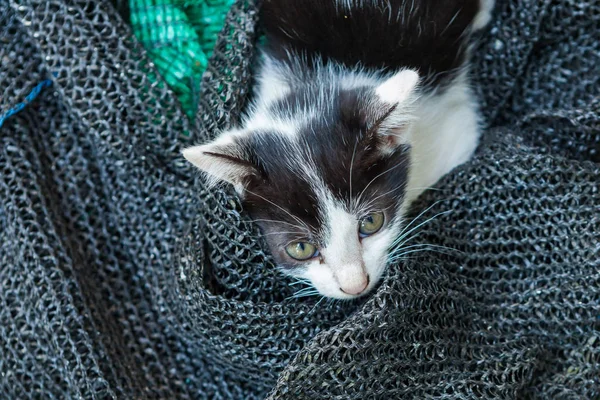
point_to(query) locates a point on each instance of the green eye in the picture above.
(301, 250)
(370, 224)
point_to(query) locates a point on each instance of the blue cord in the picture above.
(30, 97)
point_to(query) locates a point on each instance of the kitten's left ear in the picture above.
(398, 94)
(399, 87)
(222, 160)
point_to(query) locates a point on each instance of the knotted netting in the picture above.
(122, 276)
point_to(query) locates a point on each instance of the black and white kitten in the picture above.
(360, 106)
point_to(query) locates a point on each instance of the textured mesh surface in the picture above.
(122, 277)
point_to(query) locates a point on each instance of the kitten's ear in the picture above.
(221, 160)
(398, 88)
(398, 95)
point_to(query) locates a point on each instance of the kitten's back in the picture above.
(427, 35)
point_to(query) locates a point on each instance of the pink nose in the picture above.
(356, 287)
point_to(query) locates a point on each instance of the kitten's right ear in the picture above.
(222, 160)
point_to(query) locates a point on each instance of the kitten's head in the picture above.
(323, 171)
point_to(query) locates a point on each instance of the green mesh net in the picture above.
(179, 36)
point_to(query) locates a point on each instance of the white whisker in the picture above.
(278, 222)
(316, 305)
(281, 208)
(300, 282)
(419, 216)
(424, 247)
(433, 246)
(425, 188)
(351, 166)
(305, 294)
(305, 291)
(381, 195)
(403, 235)
(373, 180)
(283, 233)
(405, 253)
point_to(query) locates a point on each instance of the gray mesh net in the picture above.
(121, 276)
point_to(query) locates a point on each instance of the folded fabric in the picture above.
(123, 276)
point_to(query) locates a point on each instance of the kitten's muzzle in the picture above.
(356, 287)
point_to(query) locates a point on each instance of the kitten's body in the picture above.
(360, 106)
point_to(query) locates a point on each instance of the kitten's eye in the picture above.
(301, 250)
(370, 224)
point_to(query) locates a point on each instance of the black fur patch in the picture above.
(429, 36)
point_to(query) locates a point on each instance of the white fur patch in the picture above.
(445, 135)
(484, 15)
(266, 122)
(272, 85)
(343, 251)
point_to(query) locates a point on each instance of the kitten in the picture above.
(360, 106)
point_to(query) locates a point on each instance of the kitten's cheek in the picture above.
(375, 253)
(376, 272)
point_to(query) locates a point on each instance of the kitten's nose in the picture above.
(355, 287)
